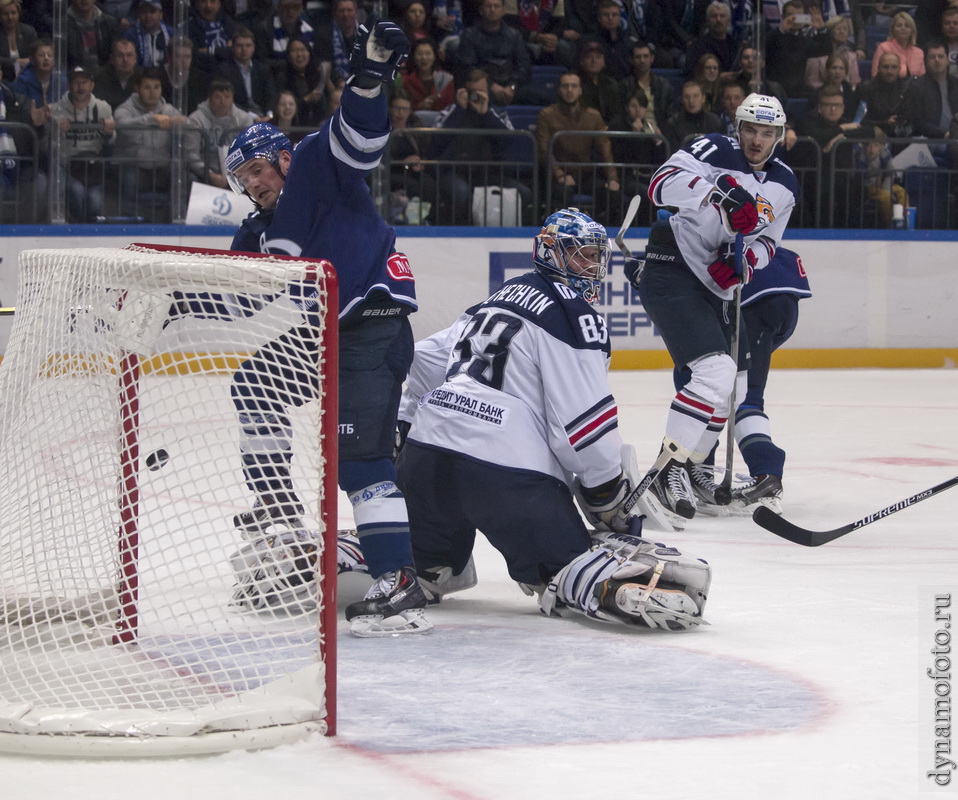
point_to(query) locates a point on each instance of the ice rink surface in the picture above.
(810, 683)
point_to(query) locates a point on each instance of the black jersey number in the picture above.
(484, 348)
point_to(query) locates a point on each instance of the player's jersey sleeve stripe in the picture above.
(655, 187)
(352, 148)
(593, 424)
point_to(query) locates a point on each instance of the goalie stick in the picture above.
(780, 526)
(630, 213)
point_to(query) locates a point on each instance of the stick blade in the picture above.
(774, 523)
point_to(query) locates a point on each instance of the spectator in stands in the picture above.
(949, 35)
(873, 158)
(212, 31)
(657, 90)
(258, 17)
(17, 40)
(450, 21)
(902, 38)
(116, 81)
(748, 76)
(290, 23)
(884, 95)
(931, 100)
(617, 42)
(339, 38)
(473, 110)
(823, 123)
(150, 34)
(38, 15)
(836, 78)
(542, 24)
(731, 96)
(88, 127)
(144, 143)
(707, 73)
(254, 88)
(39, 81)
(23, 180)
(568, 180)
(499, 50)
(219, 120)
(90, 35)
(286, 116)
(184, 84)
(408, 179)
(427, 87)
(692, 118)
(671, 25)
(839, 31)
(642, 156)
(715, 40)
(599, 91)
(417, 24)
(304, 76)
(791, 44)
(854, 12)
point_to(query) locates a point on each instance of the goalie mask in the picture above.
(261, 140)
(574, 249)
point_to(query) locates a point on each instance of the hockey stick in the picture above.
(630, 213)
(780, 526)
(7, 311)
(726, 484)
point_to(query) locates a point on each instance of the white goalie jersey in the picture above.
(520, 381)
(687, 180)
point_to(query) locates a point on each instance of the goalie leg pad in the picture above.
(437, 582)
(603, 583)
(276, 572)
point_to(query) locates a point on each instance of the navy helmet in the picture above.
(559, 252)
(261, 140)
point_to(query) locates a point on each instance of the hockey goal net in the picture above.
(121, 476)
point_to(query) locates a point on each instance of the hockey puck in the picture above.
(157, 459)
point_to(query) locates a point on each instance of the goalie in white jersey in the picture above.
(514, 410)
(720, 186)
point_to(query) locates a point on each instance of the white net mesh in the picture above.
(122, 457)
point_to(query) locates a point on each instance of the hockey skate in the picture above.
(712, 499)
(282, 508)
(394, 604)
(669, 609)
(763, 490)
(672, 487)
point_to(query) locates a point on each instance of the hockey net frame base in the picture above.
(73, 644)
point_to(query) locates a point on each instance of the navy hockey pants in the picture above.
(528, 517)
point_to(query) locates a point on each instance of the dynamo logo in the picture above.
(222, 205)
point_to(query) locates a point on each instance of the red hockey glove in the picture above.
(739, 206)
(723, 270)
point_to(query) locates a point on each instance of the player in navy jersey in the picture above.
(314, 202)
(511, 413)
(720, 186)
(770, 315)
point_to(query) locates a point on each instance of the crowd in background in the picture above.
(845, 70)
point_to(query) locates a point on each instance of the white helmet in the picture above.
(761, 109)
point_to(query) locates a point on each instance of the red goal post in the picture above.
(117, 631)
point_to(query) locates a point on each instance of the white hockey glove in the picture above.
(604, 506)
(379, 50)
(139, 321)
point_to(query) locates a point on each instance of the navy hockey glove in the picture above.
(738, 204)
(633, 268)
(379, 50)
(723, 270)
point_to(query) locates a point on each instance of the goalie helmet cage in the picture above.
(118, 636)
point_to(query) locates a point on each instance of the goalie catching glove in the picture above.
(379, 50)
(723, 269)
(736, 204)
